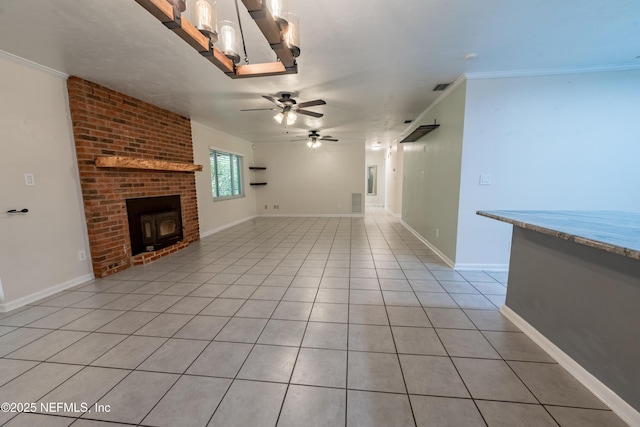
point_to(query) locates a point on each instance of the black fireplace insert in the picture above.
(154, 223)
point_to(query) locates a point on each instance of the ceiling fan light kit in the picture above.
(289, 108)
(314, 138)
(291, 117)
(314, 144)
(195, 22)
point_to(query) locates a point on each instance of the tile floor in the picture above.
(288, 322)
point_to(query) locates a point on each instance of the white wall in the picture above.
(218, 215)
(432, 174)
(38, 250)
(393, 179)
(552, 142)
(376, 158)
(302, 181)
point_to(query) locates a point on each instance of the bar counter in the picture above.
(574, 287)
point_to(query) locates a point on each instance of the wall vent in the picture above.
(356, 202)
(441, 87)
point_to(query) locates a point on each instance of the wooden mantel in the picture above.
(136, 163)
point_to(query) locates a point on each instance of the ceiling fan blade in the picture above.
(311, 103)
(325, 137)
(329, 139)
(274, 100)
(260, 109)
(309, 113)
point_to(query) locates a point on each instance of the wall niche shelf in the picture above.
(257, 168)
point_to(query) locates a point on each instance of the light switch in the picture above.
(485, 179)
(29, 179)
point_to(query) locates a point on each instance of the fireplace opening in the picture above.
(154, 223)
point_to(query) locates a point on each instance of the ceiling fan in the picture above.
(289, 108)
(314, 138)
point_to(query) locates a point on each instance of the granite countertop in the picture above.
(612, 231)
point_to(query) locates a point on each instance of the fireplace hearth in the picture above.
(154, 223)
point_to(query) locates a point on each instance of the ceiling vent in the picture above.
(441, 87)
(406, 122)
(419, 132)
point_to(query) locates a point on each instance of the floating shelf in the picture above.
(419, 132)
(136, 163)
(257, 168)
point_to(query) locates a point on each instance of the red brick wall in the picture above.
(108, 123)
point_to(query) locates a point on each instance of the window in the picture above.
(226, 174)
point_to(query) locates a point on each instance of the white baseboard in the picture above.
(442, 256)
(483, 267)
(311, 215)
(224, 227)
(621, 408)
(27, 299)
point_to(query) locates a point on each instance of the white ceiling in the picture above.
(375, 62)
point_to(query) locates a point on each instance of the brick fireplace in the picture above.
(108, 123)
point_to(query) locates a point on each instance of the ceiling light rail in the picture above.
(279, 34)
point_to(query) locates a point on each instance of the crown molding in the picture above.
(33, 65)
(550, 71)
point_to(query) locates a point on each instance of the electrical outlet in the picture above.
(485, 179)
(29, 179)
(437, 232)
(82, 255)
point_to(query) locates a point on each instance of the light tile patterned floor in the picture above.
(289, 322)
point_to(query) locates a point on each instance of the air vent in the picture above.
(441, 86)
(406, 122)
(419, 132)
(356, 202)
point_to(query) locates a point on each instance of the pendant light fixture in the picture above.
(292, 36)
(279, 10)
(203, 15)
(194, 21)
(229, 40)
